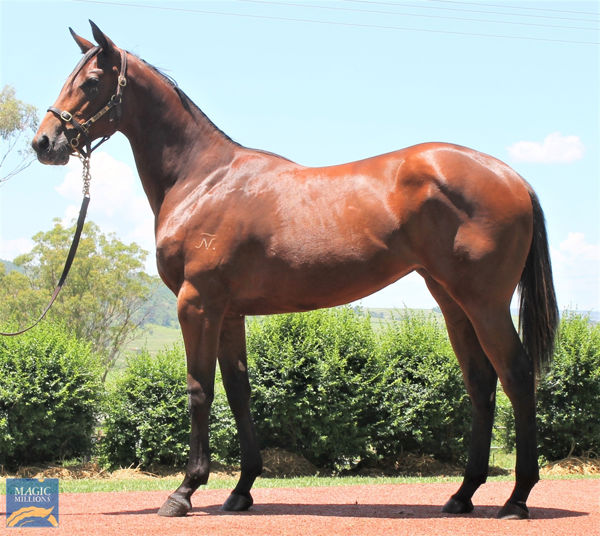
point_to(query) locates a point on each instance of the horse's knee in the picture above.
(200, 398)
(235, 380)
(481, 385)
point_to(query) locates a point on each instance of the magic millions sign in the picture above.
(31, 502)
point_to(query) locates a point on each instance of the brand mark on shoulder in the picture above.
(206, 241)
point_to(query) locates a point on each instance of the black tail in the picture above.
(538, 318)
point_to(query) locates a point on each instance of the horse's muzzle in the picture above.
(54, 150)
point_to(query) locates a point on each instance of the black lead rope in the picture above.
(65, 272)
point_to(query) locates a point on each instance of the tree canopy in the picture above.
(17, 118)
(103, 298)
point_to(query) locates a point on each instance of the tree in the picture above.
(102, 298)
(16, 119)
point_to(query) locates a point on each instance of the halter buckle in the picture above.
(66, 116)
(75, 141)
(122, 81)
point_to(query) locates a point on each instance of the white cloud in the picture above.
(576, 267)
(118, 203)
(9, 249)
(112, 185)
(70, 215)
(555, 148)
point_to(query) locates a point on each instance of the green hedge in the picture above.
(568, 398)
(325, 385)
(147, 416)
(568, 416)
(50, 396)
(311, 379)
(147, 419)
(422, 405)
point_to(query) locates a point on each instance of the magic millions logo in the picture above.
(31, 502)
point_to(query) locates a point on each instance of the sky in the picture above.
(323, 83)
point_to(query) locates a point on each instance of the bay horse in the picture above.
(247, 232)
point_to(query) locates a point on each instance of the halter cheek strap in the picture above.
(83, 129)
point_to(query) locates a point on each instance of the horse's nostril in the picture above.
(40, 143)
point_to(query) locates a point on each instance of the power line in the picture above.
(333, 23)
(380, 12)
(517, 7)
(417, 6)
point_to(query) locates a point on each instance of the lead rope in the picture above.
(87, 177)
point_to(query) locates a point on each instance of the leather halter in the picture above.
(113, 105)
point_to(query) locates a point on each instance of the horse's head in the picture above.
(89, 104)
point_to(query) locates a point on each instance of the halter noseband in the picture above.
(83, 128)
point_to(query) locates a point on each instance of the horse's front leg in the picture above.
(233, 363)
(200, 326)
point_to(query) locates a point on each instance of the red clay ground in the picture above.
(558, 507)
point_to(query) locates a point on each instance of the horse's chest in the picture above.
(170, 258)
(189, 246)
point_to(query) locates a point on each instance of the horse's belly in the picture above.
(280, 288)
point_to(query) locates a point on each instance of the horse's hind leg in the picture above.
(480, 380)
(233, 364)
(500, 341)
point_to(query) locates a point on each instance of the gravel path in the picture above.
(558, 507)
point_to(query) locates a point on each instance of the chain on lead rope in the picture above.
(86, 174)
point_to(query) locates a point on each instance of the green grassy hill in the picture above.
(9, 266)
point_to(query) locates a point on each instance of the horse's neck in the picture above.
(170, 141)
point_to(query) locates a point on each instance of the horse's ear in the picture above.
(105, 43)
(84, 44)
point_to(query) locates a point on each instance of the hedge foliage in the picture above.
(312, 376)
(568, 416)
(326, 384)
(147, 420)
(50, 396)
(421, 402)
(569, 396)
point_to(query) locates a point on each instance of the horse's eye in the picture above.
(90, 86)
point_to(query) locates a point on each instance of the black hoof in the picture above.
(514, 511)
(456, 506)
(175, 507)
(237, 502)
